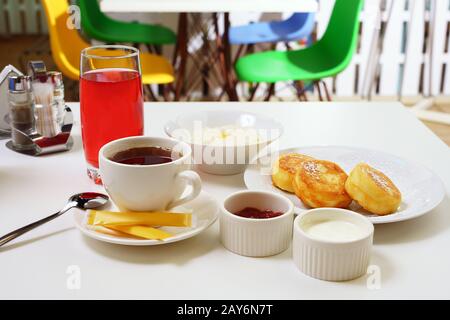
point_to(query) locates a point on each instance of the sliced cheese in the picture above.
(142, 232)
(151, 219)
(111, 232)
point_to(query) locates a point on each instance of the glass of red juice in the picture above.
(111, 99)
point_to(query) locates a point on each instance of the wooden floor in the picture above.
(14, 51)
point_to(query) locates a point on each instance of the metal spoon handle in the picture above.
(16, 233)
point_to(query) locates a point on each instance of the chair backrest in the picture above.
(301, 18)
(65, 42)
(92, 17)
(301, 22)
(341, 36)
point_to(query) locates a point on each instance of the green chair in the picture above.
(99, 26)
(326, 58)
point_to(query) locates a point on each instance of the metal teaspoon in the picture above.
(85, 200)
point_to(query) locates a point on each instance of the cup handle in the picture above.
(194, 180)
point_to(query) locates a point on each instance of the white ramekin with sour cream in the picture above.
(332, 244)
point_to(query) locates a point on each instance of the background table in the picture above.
(223, 47)
(412, 255)
(208, 5)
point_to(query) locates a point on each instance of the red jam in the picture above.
(254, 213)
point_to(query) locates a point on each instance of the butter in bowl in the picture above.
(256, 223)
(224, 142)
(332, 244)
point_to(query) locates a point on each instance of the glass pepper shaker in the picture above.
(21, 111)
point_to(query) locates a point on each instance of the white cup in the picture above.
(148, 187)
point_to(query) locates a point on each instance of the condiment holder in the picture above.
(39, 145)
(39, 120)
(256, 237)
(332, 244)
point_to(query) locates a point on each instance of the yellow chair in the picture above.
(66, 45)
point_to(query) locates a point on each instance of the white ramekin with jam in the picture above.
(256, 223)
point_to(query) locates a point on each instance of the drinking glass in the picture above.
(111, 99)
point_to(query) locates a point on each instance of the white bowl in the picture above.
(256, 237)
(228, 159)
(328, 258)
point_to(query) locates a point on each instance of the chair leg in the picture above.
(249, 48)
(301, 90)
(208, 68)
(202, 79)
(165, 92)
(205, 85)
(222, 93)
(238, 53)
(228, 60)
(224, 55)
(157, 49)
(325, 87)
(170, 89)
(205, 68)
(270, 91)
(253, 93)
(220, 53)
(148, 92)
(147, 46)
(182, 52)
(317, 85)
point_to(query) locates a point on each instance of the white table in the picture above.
(413, 255)
(208, 5)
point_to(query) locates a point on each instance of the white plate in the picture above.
(205, 209)
(421, 189)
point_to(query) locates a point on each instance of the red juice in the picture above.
(111, 108)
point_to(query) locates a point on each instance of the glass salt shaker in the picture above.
(21, 111)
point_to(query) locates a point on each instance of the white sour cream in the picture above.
(334, 230)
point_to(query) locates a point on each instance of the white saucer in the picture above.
(421, 189)
(204, 208)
